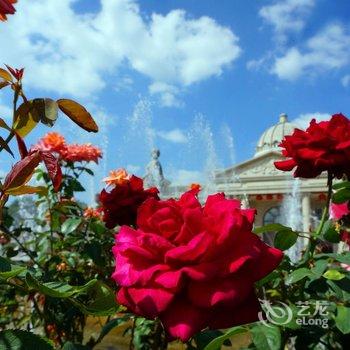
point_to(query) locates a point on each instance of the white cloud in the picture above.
(327, 50)
(72, 53)
(257, 64)
(304, 119)
(183, 177)
(167, 93)
(124, 84)
(175, 135)
(346, 80)
(287, 15)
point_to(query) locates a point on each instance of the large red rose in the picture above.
(192, 266)
(121, 203)
(324, 146)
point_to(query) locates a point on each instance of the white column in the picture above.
(306, 211)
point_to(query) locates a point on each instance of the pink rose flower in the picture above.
(337, 211)
(192, 266)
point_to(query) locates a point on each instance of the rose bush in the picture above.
(324, 146)
(192, 266)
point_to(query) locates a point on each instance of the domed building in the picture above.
(277, 196)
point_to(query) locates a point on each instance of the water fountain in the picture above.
(292, 217)
(201, 142)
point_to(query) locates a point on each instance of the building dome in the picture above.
(272, 137)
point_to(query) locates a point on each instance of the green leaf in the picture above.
(217, 342)
(203, 338)
(342, 184)
(299, 274)
(70, 225)
(15, 339)
(336, 289)
(341, 196)
(271, 228)
(103, 301)
(333, 275)
(94, 251)
(266, 337)
(342, 258)
(8, 270)
(285, 239)
(320, 267)
(13, 273)
(5, 264)
(97, 227)
(342, 320)
(57, 289)
(329, 232)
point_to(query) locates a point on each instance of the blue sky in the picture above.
(185, 76)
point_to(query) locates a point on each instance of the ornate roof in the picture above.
(271, 138)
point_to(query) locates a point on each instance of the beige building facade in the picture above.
(260, 185)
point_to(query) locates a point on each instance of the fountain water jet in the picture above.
(292, 217)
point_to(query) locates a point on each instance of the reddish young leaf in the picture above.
(26, 190)
(16, 73)
(22, 171)
(5, 75)
(22, 148)
(53, 169)
(78, 114)
(5, 146)
(4, 125)
(4, 84)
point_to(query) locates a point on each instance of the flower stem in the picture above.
(326, 209)
(313, 240)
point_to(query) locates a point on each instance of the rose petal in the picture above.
(182, 320)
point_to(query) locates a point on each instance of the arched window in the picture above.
(271, 216)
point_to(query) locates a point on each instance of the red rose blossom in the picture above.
(337, 211)
(121, 203)
(192, 266)
(324, 146)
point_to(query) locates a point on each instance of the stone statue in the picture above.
(154, 172)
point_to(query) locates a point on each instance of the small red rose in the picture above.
(120, 205)
(324, 146)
